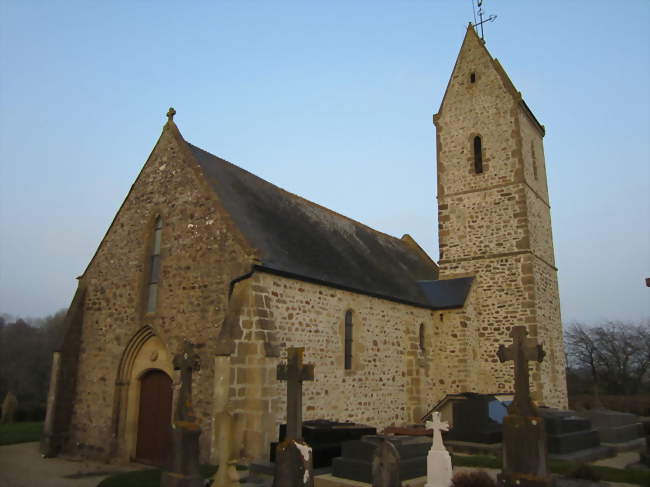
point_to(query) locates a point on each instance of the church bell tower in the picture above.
(494, 218)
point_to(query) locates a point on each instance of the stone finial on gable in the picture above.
(170, 114)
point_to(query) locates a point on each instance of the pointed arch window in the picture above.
(348, 341)
(478, 155)
(154, 268)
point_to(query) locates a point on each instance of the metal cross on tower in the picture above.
(295, 372)
(478, 9)
(520, 352)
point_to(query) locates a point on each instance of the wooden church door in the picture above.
(154, 419)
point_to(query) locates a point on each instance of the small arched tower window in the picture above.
(478, 155)
(422, 337)
(348, 340)
(154, 268)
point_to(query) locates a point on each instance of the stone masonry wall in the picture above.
(392, 381)
(201, 253)
(496, 224)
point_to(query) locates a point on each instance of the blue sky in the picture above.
(331, 100)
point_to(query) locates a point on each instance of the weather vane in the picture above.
(478, 9)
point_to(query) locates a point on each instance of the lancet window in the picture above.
(348, 340)
(154, 268)
(478, 155)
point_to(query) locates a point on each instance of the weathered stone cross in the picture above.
(437, 426)
(170, 114)
(295, 372)
(186, 361)
(521, 351)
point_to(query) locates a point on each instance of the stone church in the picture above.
(202, 250)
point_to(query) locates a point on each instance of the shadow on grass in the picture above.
(149, 478)
(608, 474)
(20, 432)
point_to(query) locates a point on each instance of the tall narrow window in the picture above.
(532, 150)
(478, 155)
(154, 268)
(421, 336)
(348, 340)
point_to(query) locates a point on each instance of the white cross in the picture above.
(437, 426)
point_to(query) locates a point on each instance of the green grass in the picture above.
(608, 474)
(146, 478)
(151, 477)
(20, 432)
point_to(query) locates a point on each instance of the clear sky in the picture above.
(332, 100)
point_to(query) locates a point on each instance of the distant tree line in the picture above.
(26, 347)
(612, 357)
(608, 358)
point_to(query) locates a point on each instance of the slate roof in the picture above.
(449, 293)
(299, 238)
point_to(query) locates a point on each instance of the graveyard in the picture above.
(534, 446)
(228, 332)
(351, 455)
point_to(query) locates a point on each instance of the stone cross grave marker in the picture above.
(524, 437)
(439, 468)
(187, 361)
(437, 426)
(295, 372)
(385, 465)
(521, 352)
(183, 466)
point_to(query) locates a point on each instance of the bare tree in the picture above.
(615, 354)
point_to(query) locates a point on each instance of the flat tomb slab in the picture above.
(328, 480)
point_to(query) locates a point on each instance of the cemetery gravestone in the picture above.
(474, 421)
(293, 457)
(357, 457)
(183, 465)
(226, 475)
(524, 437)
(9, 407)
(385, 465)
(325, 438)
(439, 469)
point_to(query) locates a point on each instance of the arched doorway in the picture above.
(154, 418)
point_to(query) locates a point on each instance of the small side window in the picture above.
(532, 150)
(478, 155)
(154, 268)
(348, 341)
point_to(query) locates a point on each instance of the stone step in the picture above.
(567, 424)
(361, 471)
(621, 434)
(571, 442)
(603, 418)
(585, 456)
(493, 449)
(261, 468)
(638, 444)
